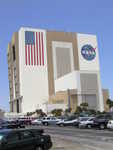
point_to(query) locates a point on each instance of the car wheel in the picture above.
(61, 125)
(79, 126)
(39, 148)
(102, 126)
(89, 126)
(46, 123)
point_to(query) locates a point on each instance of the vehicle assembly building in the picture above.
(53, 68)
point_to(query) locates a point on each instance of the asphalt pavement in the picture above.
(71, 138)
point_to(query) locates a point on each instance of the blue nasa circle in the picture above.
(88, 52)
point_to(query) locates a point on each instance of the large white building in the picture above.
(53, 67)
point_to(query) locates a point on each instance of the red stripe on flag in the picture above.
(42, 49)
(31, 55)
(26, 54)
(34, 51)
(37, 46)
(34, 55)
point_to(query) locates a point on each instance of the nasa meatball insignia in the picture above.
(88, 52)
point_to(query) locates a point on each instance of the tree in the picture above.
(98, 112)
(68, 110)
(91, 112)
(78, 109)
(109, 102)
(30, 113)
(57, 112)
(84, 106)
(40, 112)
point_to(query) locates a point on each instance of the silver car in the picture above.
(86, 122)
(49, 121)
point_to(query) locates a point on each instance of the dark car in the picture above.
(24, 139)
(25, 121)
(101, 121)
(12, 124)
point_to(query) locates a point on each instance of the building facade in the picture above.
(49, 67)
(2, 113)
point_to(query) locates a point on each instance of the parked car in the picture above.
(101, 121)
(36, 122)
(50, 121)
(86, 122)
(11, 124)
(110, 124)
(70, 121)
(25, 121)
(25, 139)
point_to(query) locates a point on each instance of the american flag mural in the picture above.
(34, 48)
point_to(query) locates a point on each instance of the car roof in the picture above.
(11, 130)
(8, 131)
(5, 131)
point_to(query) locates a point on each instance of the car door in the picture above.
(27, 140)
(68, 122)
(12, 142)
(107, 118)
(53, 120)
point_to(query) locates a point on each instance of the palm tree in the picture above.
(78, 109)
(57, 112)
(109, 102)
(84, 106)
(40, 112)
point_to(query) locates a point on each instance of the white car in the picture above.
(110, 124)
(67, 122)
(36, 122)
(86, 122)
(50, 121)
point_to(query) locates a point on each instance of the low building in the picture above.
(69, 100)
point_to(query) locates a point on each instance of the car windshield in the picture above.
(39, 120)
(1, 137)
(91, 119)
(84, 119)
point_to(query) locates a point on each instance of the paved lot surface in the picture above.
(70, 138)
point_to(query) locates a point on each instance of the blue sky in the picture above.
(84, 16)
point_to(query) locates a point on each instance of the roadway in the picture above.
(71, 138)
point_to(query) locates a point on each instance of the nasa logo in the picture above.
(88, 52)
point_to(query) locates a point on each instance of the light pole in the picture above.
(69, 105)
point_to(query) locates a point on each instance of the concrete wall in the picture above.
(1, 113)
(13, 72)
(90, 66)
(83, 39)
(33, 78)
(68, 81)
(105, 97)
(60, 40)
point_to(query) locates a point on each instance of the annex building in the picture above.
(59, 69)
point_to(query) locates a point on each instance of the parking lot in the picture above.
(71, 138)
(72, 133)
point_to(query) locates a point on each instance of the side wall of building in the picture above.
(69, 69)
(105, 97)
(89, 67)
(13, 71)
(60, 41)
(33, 77)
